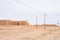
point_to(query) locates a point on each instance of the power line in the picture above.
(27, 5)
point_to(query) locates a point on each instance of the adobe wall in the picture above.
(23, 23)
(13, 22)
(49, 25)
(9, 22)
(0, 22)
(5, 22)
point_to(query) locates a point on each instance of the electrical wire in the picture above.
(27, 5)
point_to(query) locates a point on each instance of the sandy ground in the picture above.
(13, 32)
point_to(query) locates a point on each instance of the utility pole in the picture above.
(44, 20)
(36, 21)
(57, 23)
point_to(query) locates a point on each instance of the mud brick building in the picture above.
(22, 23)
(5, 22)
(9, 22)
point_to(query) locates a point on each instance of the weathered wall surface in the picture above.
(49, 25)
(9, 22)
(13, 22)
(0, 22)
(5, 22)
(23, 23)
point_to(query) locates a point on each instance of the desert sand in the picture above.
(14, 32)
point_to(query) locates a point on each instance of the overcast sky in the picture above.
(29, 9)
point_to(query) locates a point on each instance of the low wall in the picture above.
(9, 22)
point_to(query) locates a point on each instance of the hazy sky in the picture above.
(29, 9)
